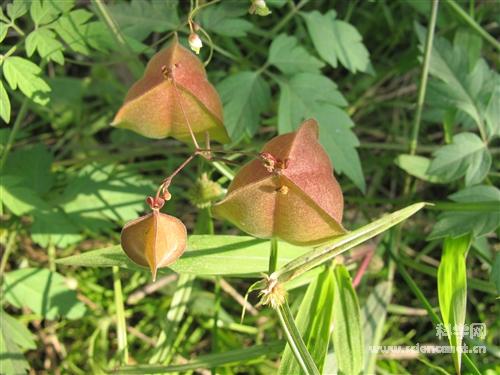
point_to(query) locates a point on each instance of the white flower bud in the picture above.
(195, 42)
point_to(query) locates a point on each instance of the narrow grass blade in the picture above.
(347, 333)
(206, 255)
(452, 290)
(238, 356)
(295, 341)
(320, 255)
(373, 317)
(313, 320)
(121, 323)
(175, 314)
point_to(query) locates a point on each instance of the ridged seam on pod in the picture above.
(174, 88)
(291, 193)
(155, 240)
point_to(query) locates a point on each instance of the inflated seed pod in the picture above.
(155, 240)
(174, 86)
(291, 193)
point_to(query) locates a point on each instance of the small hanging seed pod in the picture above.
(290, 193)
(174, 87)
(155, 240)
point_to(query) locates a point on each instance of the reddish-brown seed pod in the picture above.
(290, 194)
(174, 87)
(155, 240)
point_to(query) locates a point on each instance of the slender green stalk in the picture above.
(294, 340)
(52, 257)
(288, 17)
(15, 128)
(473, 24)
(273, 255)
(423, 77)
(8, 249)
(121, 324)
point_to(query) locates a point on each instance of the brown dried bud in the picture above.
(302, 204)
(174, 86)
(154, 240)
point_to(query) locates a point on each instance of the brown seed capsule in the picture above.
(290, 193)
(155, 240)
(174, 86)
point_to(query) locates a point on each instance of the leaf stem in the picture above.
(273, 255)
(15, 128)
(288, 17)
(294, 340)
(473, 24)
(8, 249)
(423, 77)
(121, 324)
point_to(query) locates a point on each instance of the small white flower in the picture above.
(259, 7)
(195, 42)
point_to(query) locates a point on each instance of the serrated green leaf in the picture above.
(17, 9)
(417, 166)
(455, 84)
(14, 337)
(337, 41)
(139, 18)
(44, 41)
(290, 57)
(474, 45)
(242, 110)
(24, 74)
(43, 13)
(347, 332)
(452, 290)
(4, 28)
(308, 95)
(467, 155)
(18, 197)
(225, 19)
(4, 104)
(42, 291)
(313, 320)
(458, 223)
(205, 255)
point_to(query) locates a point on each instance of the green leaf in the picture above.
(467, 155)
(495, 272)
(99, 193)
(337, 41)
(347, 332)
(32, 166)
(231, 357)
(4, 104)
(373, 317)
(24, 74)
(19, 198)
(44, 12)
(308, 95)
(17, 9)
(455, 84)
(205, 255)
(44, 41)
(474, 45)
(54, 227)
(295, 342)
(4, 28)
(290, 57)
(14, 337)
(452, 290)
(242, 111)
(43, 291)
(341, 244)
(313, 320)
(458, 223)
(225, 19)
(139, 18)
(417, 166)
